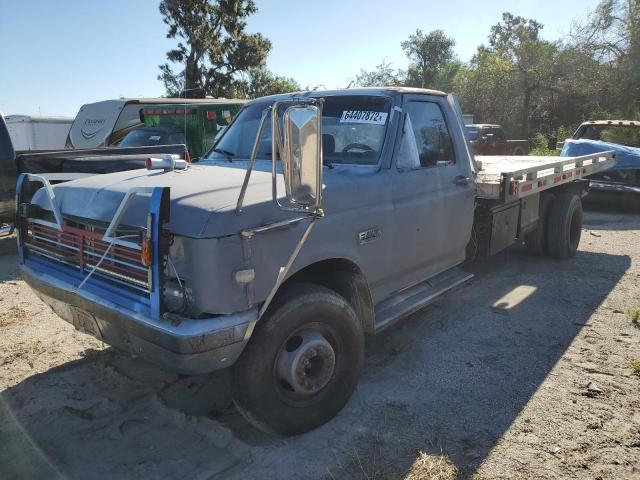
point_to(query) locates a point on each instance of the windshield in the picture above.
(628, 135)
(142, 137)
(353, 129)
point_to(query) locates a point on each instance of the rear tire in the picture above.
(302, 363)
(536, 240)
(565, 225)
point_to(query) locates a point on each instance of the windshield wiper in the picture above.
(224, 152)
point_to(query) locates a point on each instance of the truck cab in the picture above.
(316, 218)
(487, 139)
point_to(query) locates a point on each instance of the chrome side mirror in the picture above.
(302, 155)
(299, 148)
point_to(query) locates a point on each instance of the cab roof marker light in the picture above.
(172, 111)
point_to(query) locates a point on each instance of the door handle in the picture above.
(461, 180)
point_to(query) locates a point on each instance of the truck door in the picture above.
(500, 142)
(433, 190)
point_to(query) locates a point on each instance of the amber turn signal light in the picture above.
(146, 254)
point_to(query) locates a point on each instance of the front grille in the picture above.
(81, 247)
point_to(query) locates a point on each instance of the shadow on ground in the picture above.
(449, 380)
(612, 212)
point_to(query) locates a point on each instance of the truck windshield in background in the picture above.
(195, 126)
(627, 135)
(144, 136)
(353, 131)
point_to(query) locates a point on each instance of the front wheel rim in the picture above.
(305, 364)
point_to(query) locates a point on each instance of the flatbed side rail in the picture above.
(516, 184)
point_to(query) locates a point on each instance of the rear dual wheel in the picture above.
(302, 364)
(536, 240)
(565, 225)
(559, 226)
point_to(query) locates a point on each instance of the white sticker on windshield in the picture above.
(154, 137)
(363, 116)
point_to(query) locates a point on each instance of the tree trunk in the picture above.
(524, 126)
(190, 72)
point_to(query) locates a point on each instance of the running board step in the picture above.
(412, 299)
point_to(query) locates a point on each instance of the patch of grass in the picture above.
(635, 366)
(432, 467)
(634, 315)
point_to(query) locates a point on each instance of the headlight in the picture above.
(173, 296)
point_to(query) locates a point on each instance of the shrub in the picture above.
(541, 147)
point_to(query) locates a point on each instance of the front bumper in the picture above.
(179, 344)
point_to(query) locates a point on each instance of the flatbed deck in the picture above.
(508, 178)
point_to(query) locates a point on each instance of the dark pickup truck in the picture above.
(488, 139)
(61, 165)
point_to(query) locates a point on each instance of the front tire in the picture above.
(565, 225)
(302, 363)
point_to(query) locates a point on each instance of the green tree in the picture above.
(259, 82)
(583, 89)
(381, 76)
(611, 36)
(518, 41)
(213, 47)
(429, 54)
(488, 87)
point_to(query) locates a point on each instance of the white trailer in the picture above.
(38, 132)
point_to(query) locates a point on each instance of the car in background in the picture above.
(30, 132)
(622, 136)
(489, 139)
(107, 123)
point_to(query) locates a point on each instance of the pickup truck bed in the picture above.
(508, 178)
(65, 161)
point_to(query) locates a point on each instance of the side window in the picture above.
(498, 134)
(426, 136)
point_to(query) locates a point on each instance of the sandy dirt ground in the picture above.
(522, 373)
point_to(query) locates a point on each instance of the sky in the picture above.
(58, 55)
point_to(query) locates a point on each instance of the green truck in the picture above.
(153, 121)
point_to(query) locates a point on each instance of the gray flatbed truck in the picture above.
(317, 218)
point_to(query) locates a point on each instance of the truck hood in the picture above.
(198, 195)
